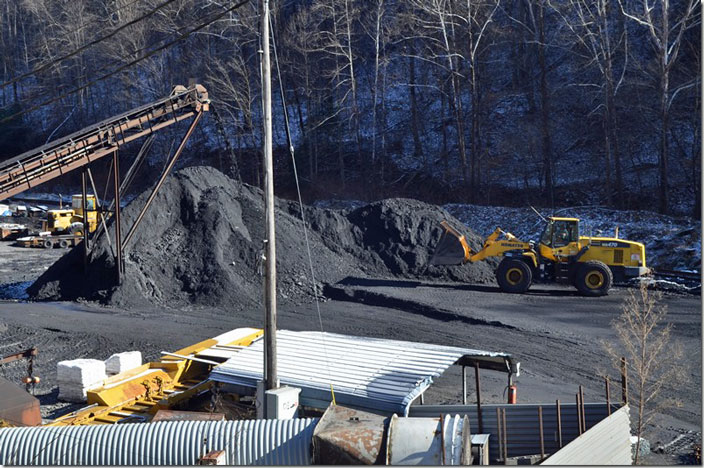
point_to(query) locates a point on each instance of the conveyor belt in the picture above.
(91, 143)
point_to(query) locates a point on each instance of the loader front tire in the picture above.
(514, 276)
(594, 278)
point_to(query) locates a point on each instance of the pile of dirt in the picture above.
(200, 243)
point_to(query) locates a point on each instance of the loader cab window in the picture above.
(559, 233)
(564, 232)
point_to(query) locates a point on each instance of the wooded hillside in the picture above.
(552, 102)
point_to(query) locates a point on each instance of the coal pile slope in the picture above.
(200, 243)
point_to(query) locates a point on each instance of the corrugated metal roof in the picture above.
(367, 373)
(253, 442)
(607, 443)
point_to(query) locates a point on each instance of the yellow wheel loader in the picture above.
(591, 264)
(72, 220)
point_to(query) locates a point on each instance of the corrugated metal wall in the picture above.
(607, 443)
(253, 442)
(523, 436)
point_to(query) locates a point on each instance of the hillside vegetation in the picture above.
(487, 101)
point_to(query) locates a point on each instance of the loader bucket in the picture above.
(452, 248)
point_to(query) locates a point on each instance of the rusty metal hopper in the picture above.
(346, 436)
(17, 407)
(452, 248)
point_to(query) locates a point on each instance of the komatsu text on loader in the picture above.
(591, 264)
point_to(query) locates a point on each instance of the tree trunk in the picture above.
(417, 147)
(475, 146)
(548, 162)
(664, 147)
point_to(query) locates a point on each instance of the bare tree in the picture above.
(605, 47)
(666, 34)
(654, 360)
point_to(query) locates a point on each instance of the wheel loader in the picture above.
(591, 264)
(72, 220)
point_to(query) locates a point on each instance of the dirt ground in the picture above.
(555, 333)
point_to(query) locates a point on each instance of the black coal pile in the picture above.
(200, 243)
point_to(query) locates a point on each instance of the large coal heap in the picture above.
(200, 243)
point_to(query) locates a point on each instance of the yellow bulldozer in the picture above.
(591, 264)
(72, 220)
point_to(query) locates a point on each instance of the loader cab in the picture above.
(559, 234)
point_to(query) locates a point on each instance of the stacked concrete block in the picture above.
(121, 362)
(77, 376)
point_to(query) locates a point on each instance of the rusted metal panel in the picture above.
(607, 443)
(371, 374)
(445, 440)
(345, 436)
(17, 407)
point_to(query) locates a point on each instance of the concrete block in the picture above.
(77, 376)
(122, 362)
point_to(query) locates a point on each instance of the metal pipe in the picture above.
(100, 213)
(126, 181)
(191, 358)
(558, 411)
(542, 439)
(84, 193)
(116, 221)
(608, 395)
(479, 398)
(161, 180)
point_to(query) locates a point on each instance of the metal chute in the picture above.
(452, 248)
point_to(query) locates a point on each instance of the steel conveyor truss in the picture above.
(91, 143)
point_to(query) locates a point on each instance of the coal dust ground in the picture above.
(553, 332)
(192, 273)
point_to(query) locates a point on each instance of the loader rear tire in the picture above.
(594, 278)
(514, 276)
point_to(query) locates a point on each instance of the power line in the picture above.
(48, 64)
(130, 64)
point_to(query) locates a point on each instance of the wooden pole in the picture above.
(624, 382)
(464, 385)
(271, 374)
(608, 395)
(581, 401)
(503, 422)
(579, 417)
(542, 439)
(559, 422)
(499, 434)
(479, 398)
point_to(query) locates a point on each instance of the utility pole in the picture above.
(270, 370)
